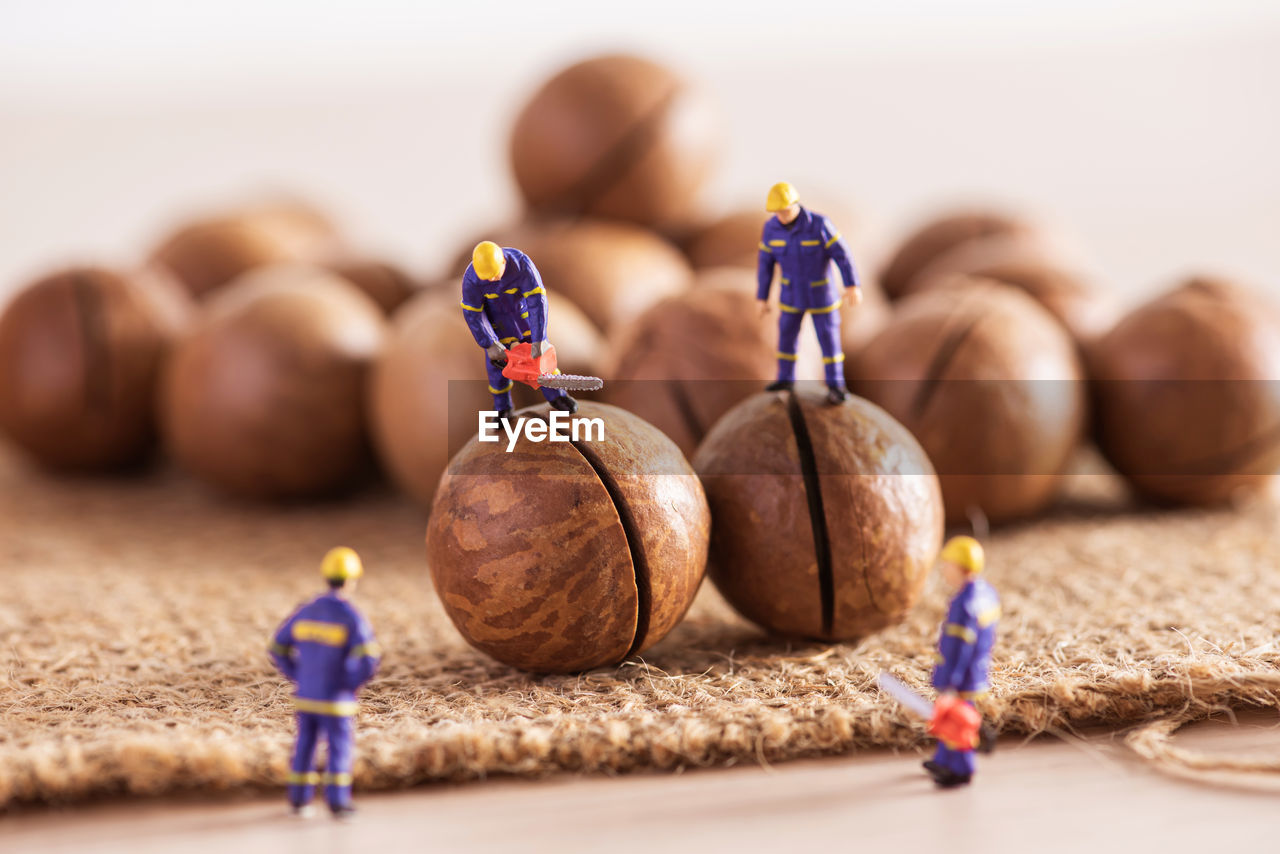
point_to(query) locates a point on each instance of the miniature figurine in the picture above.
(805, 244)
(964, 650)
(327, 649)
(505, 306)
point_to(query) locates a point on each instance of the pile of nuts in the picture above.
(273, 361)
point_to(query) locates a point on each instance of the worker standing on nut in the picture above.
(505, 303)
(804, 244)
(964, 651)
(327, 649)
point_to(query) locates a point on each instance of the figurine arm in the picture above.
(363, 657)
(764, 270)
(838, 251)
(473, 312)
(281, 651)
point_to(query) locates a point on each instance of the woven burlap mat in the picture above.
(135, 614)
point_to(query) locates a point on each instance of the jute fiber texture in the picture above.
(136, 613)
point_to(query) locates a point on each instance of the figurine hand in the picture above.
(497, 354)
(764, 307)
(536, 352)
(853, 296)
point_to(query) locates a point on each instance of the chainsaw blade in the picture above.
(570, 382)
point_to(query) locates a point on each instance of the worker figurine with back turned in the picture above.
(327, 649)
(964, 650)
(504, 304)
(805, 245)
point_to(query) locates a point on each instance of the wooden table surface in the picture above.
(1081, 795)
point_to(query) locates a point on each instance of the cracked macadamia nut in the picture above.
(615, 136)
(990, 384)
(1187, 389)
(939, 236)
(265, 398)
(825, 519)
(80, 357)
(558, 557)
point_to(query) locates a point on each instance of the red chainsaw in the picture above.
(536, 373)
(952, 721)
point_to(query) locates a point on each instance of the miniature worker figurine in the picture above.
(327, 649)
(964, 649)
(505, 303)
(805, 244)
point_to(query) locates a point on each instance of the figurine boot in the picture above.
(346, 812)
(564, 403)
(781, 385)
(837, 395)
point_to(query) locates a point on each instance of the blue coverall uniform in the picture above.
(806, 250)
(507, 311)
(327, 649)
(964, 650)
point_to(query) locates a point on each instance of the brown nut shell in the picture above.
(429, 384)
(385, 283)
(941, 235)
(1083, 309)
(615, 136)
(80, 357)
(563, 556)
(265, 397)
(992, 387)
(826, 519)
(208, 253)
(611, 270)
(1187, 388)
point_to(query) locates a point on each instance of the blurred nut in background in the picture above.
(1083, 309)
(611, 270)
(265, 397)
(430, 384)
(80, 356)
(825, 519)
(690, 358)
(615, 136)
(559, 557)
(1188, 393)
(941, 235)
(385, 283)
(990, 384)
(207, 253)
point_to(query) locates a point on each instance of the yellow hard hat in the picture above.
(341, 564)
(487, 260)
(965, 552)
(781, 195)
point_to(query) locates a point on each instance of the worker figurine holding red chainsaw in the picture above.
(964, 651)
(505, 306)
(805, 245)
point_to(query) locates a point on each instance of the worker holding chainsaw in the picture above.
(964, 651)
(505, 306)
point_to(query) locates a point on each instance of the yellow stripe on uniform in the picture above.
(303, 778)
(790, 310)
(790, 357)
(955, 630)
(469, 307)
(506, 388)
(337, 779)
(534, 291)
(371, 650)
(832, 241)
(528, 333)
(831, 360)
(989, 616)
(810, 242)
(510, 290)
(490, 296)
(507, 340)
(826, 310)
(315, 631)
(336, 708)
(819, 282)
(777, 243)
(764, 248)
(973, 695)
(526, 314)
